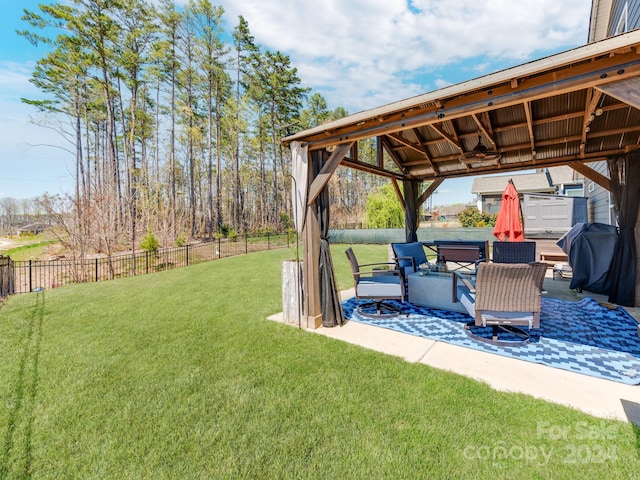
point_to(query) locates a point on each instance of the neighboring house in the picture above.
(556, 180)
(31, 229)
(608, 18)
(450, 212)
(567, 181)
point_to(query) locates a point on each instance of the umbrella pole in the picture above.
(519, 207)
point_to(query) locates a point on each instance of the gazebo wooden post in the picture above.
(312, 309)
(637, 232)
(320, 170)
(310, 275)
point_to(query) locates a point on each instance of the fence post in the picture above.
(30, 280)
(96, 269)
(187, 250)
(246, 242)
(219, 245)
(268, 240)
(146, 261)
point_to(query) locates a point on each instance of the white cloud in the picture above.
(359, 52)
(441, 83)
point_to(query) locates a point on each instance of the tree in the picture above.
(282, 95)
(132, 59)
(170, 22)
(316, 112)
(144, 92)
(384, 209)
(210, 53)
(246, 49)
(472, 217)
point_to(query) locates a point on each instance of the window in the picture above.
(622, 21)
(574, 190)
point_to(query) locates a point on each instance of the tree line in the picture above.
(175, 123)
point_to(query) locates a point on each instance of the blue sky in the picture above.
(358, 54)
(32, 160)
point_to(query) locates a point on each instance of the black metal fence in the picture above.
(6, 276)
(29, 275)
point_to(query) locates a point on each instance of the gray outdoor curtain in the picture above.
(299, 186)
(332, 313)
(411, 195)
(624, 172)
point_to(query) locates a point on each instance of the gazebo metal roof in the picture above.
(571, 108)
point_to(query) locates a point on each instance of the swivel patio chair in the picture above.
(376, 285)
(505, 296)
(409, 257)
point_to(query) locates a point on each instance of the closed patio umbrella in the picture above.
(509, 222)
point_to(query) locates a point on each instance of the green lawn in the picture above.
(29, 248)
(179, 375)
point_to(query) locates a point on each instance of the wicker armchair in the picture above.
(505, 296)
(514, 252)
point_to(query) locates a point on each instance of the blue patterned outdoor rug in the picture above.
(583, 337)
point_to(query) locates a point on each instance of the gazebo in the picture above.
(572, 108)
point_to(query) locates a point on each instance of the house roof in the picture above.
(538, 182)
(572, 108)
(564, 175)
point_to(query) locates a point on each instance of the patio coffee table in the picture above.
(433, 289)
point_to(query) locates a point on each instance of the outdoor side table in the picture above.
(433, 289)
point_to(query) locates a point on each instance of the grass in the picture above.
(179, 375)
(29, 247)
(32, 251)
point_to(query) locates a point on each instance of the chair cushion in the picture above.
(381, 286)
(490, 317)
(412, 249)
(467, 299)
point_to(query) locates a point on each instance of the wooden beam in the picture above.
(557, 118)
(312, 310)
(546, 143)
(449, 138)
(593, 98)
(366, 167)
(486, 129)
(379, 152)
(436, 182)
(400, 139)
(353, 153)
(425, 150)
(532, 139)
(591, 174)
(535, 122)
(627, 91)
(394, 156)
(327, 170)
(515, 167)
(396, 187)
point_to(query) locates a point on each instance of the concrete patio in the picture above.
(598, 397)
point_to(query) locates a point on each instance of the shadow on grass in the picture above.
(16, 447)
(632, 411)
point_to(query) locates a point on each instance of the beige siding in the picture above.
(599, 198)
(599, 25)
